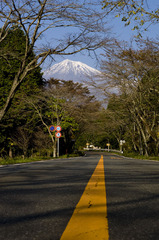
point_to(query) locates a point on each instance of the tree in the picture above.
(9, 67)
(81, 106)
(139, 12)
(50, 109)
(19, 118)
(35, 18)
(135, 75)
(71, 106)
(21, 138)
(41, 143)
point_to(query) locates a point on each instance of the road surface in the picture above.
(38, 200)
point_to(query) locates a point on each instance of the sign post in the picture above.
(108, 145)
(121, 145)
(87, 144)
(58, 135)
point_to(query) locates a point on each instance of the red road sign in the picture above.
(58, 134)
(58, 128)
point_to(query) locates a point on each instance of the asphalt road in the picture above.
(38, 199)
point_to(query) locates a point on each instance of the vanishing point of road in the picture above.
(99, 196)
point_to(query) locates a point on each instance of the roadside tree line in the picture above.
(28, 105)
(37, 104)
(133, 108)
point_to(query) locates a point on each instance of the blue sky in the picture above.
(119, 31)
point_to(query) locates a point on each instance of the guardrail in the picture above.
(103, 149)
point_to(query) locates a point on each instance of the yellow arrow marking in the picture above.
(89, 220)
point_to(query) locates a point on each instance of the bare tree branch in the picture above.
(39, 16)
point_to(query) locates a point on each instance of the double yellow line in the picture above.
(89, 220)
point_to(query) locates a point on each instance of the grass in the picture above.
(16, 160)
(133, 155)
(7, 161)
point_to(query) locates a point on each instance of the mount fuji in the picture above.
(71, 70)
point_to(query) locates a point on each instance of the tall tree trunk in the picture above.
(10, 153)
(54, 150)
(143, 137)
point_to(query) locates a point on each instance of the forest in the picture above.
(29, 104)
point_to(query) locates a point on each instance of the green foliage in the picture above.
(136, 156)
(20, 120)
(76, 109)
(17, 160)
(11, 52)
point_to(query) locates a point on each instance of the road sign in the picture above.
(52, 128)
(58, 134)
(121, 142)
(58, 128)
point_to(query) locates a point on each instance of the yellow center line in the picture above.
(89, 220)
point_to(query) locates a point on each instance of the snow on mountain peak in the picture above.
(71, 70)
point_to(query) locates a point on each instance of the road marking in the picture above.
(89, 220)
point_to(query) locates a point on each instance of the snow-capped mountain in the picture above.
(71, 70)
